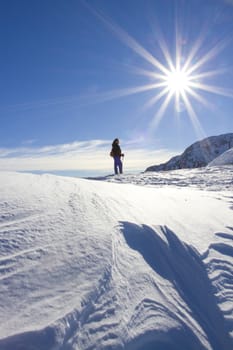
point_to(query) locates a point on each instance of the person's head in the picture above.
(116, 141)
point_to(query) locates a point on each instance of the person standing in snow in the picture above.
(116, 154)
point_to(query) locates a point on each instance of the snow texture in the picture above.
(199, 154)
(224, 159)
(135, 262)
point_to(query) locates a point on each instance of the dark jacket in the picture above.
(116, 150)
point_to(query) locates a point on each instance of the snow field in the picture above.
(96, 265)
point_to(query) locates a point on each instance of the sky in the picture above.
(76, 74)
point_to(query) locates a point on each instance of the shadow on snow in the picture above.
(182, 265)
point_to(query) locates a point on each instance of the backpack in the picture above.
(111, 153)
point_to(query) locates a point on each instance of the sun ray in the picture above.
(178, 44)
(213, 89)
(214, 51)
(118, 93)
(164, 48)
(159, 115)
(177, 102)
(200, 99)
(197, 45)
(208, 74)
(193, 117)
(147, 73)
(128, 40)
(155, 99)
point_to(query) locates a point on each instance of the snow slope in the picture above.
(88, 264)
(223, 159)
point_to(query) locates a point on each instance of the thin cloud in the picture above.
(90, 155)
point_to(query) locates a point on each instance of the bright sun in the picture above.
(177, 81)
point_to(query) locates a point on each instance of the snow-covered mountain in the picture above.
(224, 159)
(88, 264)
(199, 154)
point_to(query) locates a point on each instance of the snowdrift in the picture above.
(224, 159)
(88, 264)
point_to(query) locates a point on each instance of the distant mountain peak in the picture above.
(199, 154)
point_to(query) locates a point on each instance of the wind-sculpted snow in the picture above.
(182, 266)
(219, 262)
(97, 265)
(211, 178)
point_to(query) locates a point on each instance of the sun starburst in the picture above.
(182, 79)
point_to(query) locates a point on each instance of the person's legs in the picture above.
(117, 165)
(120, 166)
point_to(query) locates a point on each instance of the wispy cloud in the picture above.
(90, 155)
(28, 142)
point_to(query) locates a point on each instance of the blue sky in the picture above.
(76, 74)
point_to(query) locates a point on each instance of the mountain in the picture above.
(100, 265)
(224, 159)
(199, 154)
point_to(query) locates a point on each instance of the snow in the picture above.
(120, 262)
(224, 159)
